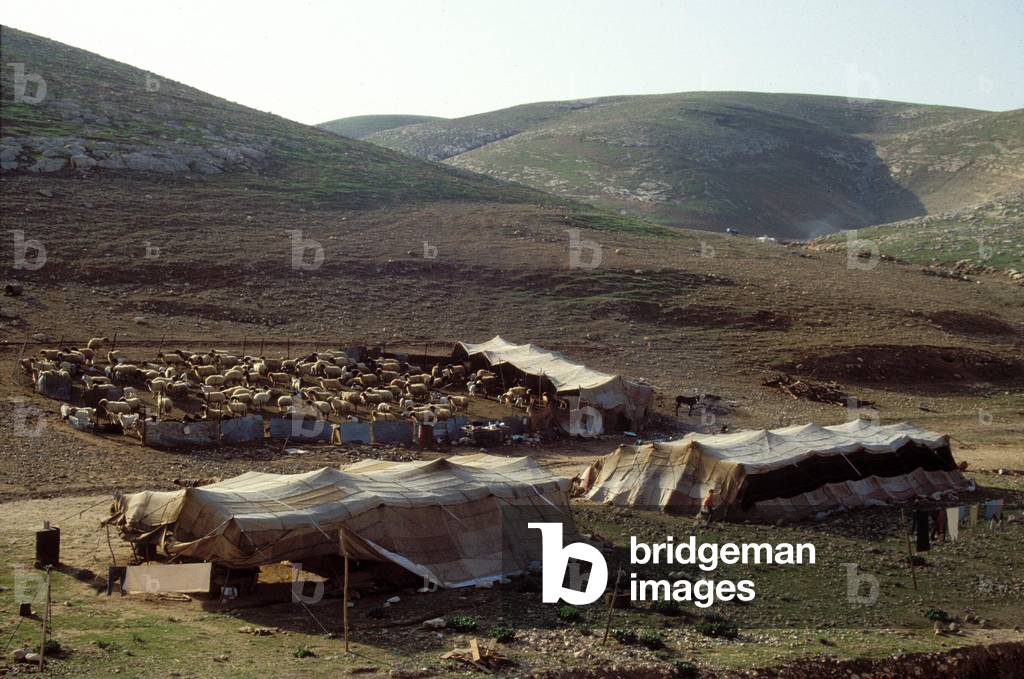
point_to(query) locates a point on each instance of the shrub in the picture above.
(502, 634)
(685, 669)
(569, 614)
(718, 627)
(669, 608)
(651, 639)
(304, 652)
(624, 636)
(937, 615)
(463, 623)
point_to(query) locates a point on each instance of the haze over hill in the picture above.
(780, 164)
(360, 127)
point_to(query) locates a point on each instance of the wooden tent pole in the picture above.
(46, 621)
(344, 597)
(611, 605)
(910, 552)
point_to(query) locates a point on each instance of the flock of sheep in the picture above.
(217, 384)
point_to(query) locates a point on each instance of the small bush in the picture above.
(718, 627)
(668, 608)
(463, 623)
(624, 636)
(53, 648)
(304, 652)
(569, 614)
(502, 634)
(651, 639)
(937, 615)
(685, 669)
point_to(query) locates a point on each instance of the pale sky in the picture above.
(314, 61)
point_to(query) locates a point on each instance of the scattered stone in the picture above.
(435, 623)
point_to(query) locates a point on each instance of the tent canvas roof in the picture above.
(456, 521)
(765, 449)
(600, 389)
(788, 470)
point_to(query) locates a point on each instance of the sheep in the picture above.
(177, 389)
(258, 380)
(129, 423)
(459, 402)
(164, 405)
(341, 407)
(261, 398)
(215, 397)
(96, 343)
(418, 379)
(387, 375)
(284, 402)
(234, 375)
(331, 384)
(323, 406)
(115, 357)
(215, 381)
(91, 380)
(130, 392)
(243, 397)
(50, 354)
(368, 380)
(227, 360)
(237, 408)
(204, 371)
(419, 391)
(114, 407)
(158, 385)
(170, 359)
(281, 378)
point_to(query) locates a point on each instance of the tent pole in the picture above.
(910, 552)
(344, 597)
(611, 606)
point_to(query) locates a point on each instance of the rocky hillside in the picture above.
(66, 110)
(783, 165)
(360, 127)
(983, 238)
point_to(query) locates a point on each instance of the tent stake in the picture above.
(611, 605)
(910, 553)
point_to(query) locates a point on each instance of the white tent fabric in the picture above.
(677, 475)
(600, 389)
(762, 450)
(455, 521)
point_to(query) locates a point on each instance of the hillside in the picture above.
(778, 164)
(360, 127)
(989, 234)
(98, 116)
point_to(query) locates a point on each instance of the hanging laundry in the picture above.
(953, 522)
(939, 530)
(921, 528)
(972, 519)
(964, 512)
(993, 509)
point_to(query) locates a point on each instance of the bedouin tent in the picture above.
(792, 471)
(541, 370)
(456, 522)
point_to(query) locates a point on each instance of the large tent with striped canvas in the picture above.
(794, 471)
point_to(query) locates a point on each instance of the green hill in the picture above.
(782, 164)
(98, 116)
(359, 127)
